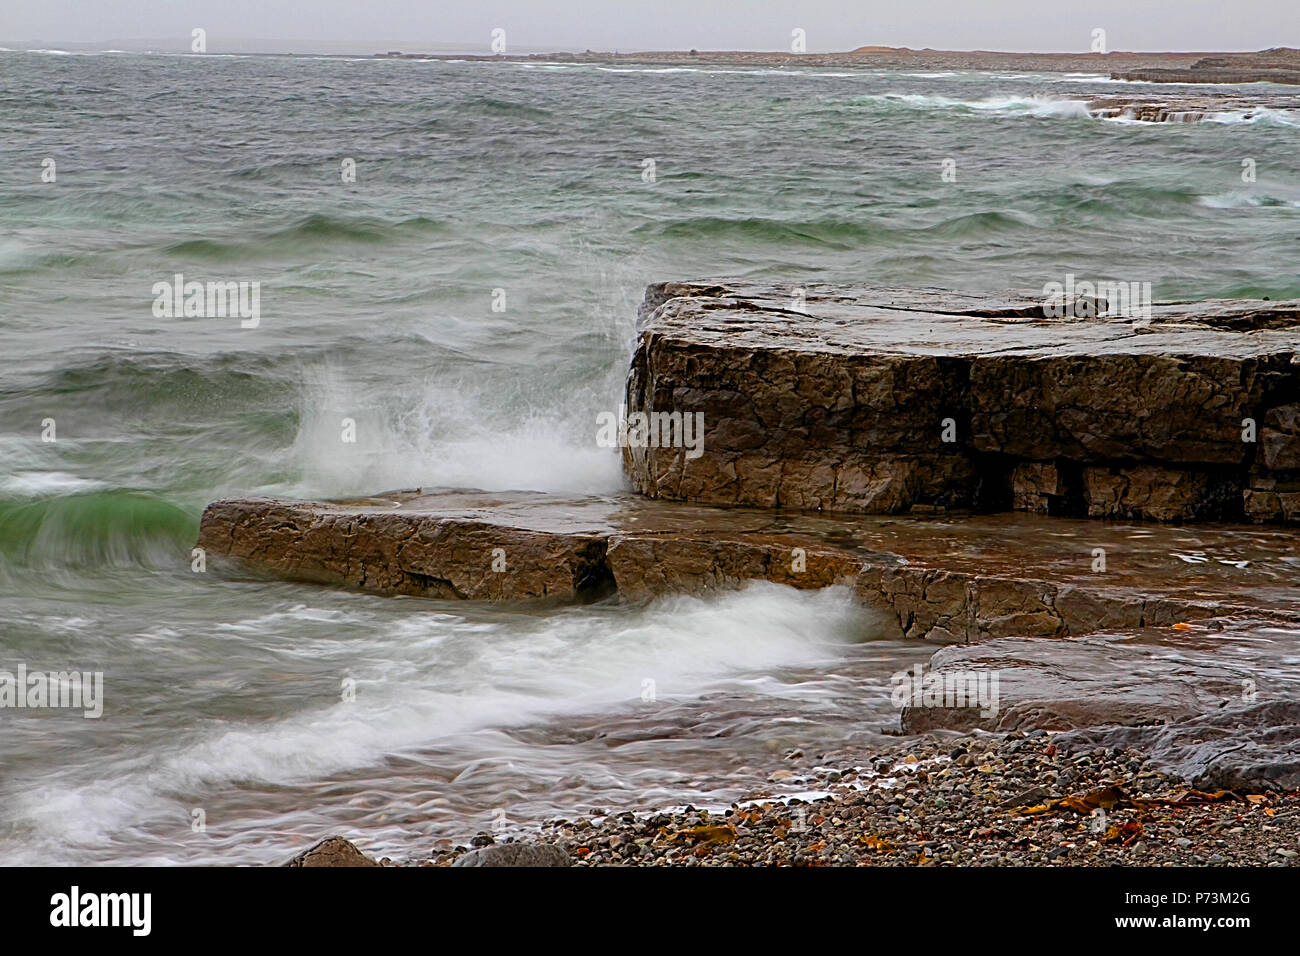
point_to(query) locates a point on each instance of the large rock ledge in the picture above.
(884, 401)
(959, 581)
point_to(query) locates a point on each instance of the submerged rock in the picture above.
(1188, 107)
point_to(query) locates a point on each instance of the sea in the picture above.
(447, 258)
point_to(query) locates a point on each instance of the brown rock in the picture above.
(884, 401)
(332, 851)
(1279, 439)
(1037, 486)
(939, 580)
(375, 545)
(1159, 494)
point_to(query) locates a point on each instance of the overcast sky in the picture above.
(426, 25)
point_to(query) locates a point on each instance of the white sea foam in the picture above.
(1243, 200)
(1045, 106)
(1036, 105)
(442, 435)
(440, 675)
(1262, 116)
(35, 483)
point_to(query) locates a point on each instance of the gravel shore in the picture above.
(987, 800)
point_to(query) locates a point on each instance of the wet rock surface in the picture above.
(1147, 677)
(943, 580)
(332, 851)
(856, 399)
(1246, 746)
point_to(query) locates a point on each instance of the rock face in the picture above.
(947, 581)
(515, 854)
(332, 851)
(882, 401)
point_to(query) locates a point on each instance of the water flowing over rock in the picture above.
(1190, 108)
(1136, 678)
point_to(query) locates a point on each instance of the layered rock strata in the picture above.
(881, 401)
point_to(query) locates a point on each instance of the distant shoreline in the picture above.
(1280, 65)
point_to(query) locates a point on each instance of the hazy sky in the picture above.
(364, 25)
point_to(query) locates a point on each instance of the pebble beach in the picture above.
(985, 800)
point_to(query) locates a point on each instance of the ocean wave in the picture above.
(34, 484)
(1035, 105)
(1243, 200)
(493, 106)
(835, 233)
(977, 224)
(704, 71)
(1260, 116)
(445, 433)
(129, 381)
(93, 530)
(1055, 107)
(307, 235)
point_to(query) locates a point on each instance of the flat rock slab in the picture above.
(951, 580)
(1145, 677)
(887, 401)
